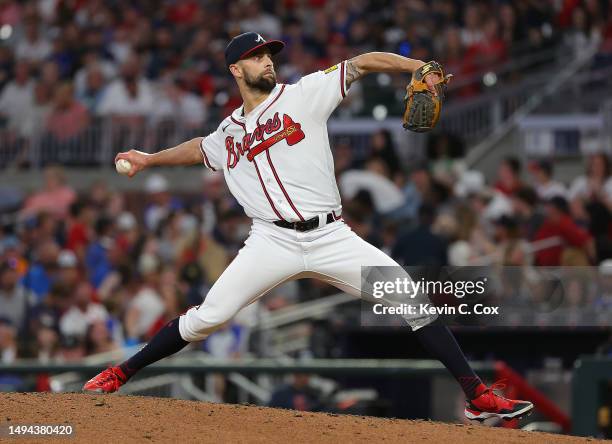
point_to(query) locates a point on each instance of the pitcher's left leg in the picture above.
(337, 258)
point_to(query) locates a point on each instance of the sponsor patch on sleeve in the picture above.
(331, 69)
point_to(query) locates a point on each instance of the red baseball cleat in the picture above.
(491, 405)
(108, 381)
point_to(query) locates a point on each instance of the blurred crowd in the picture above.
(84, 272)
(99, 270)
(64, 64)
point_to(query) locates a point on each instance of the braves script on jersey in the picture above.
(277, 160)
(278, 164)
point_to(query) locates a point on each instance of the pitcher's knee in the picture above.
(199, 322)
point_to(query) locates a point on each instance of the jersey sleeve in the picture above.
(324, 90)
(211, 149)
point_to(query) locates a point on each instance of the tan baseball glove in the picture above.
(423, 106)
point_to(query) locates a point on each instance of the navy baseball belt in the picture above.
(306, 225)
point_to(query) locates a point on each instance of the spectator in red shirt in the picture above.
(490, 52)
(559, 224)
(509, 176)
(80, 228)
(455, 61)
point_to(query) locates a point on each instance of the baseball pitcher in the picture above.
(276, 159)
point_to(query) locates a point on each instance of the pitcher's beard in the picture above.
(261, 83)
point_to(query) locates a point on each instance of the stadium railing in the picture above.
(553, 84)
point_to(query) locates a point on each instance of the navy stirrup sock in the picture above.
(439, 341)
(166, 342)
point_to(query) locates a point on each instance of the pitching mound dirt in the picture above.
(116, 418)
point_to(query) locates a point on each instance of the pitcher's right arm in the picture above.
(186, 153)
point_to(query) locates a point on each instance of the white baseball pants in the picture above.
(272, 255)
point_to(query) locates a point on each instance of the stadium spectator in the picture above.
(130, 97)
(36, 120)
(16, 100)
(50, 75)
(488, 52)
(559, 224)
(172, 297)
(582, 35)
(82, 313)
(231, 230)
(147, 305)
(54, 197)
(177, 234)
(511, 249)
(512, 30)
(358, 215)
(127, 101)
(98, 339)
(297, 395)
(79, 228)
(162, 203)
(99, 196)
(15, 299)
(456, 62)
(383, 148)
(455, 230)
(97, 258)
(416, 191)
(374, 179)
(68, 118)
(542, 173)
(525, 208)
(445, 153)
(47, 343)
(472, 33)
(596, 185)
(90, 91)
(164, 54)
(33, 47)
(421, 246)
(509, 175)
(259, 21)
(43, 271)
(176, 103)
(48, 312)
(71, 349)
(70, 274)
(128, 232)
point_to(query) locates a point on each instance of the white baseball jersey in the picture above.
(277, 160)
(278, 164)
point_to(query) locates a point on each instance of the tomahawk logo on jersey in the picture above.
(277, 159)
(290, 131)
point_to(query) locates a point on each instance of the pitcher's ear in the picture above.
(235, 70)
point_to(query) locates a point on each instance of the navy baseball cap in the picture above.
(244, 44)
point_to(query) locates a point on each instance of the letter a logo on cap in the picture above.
(260, 39)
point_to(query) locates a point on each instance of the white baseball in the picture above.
(123, 166)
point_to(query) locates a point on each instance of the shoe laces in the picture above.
(498, 385)
(106, 376)
(493, 398)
